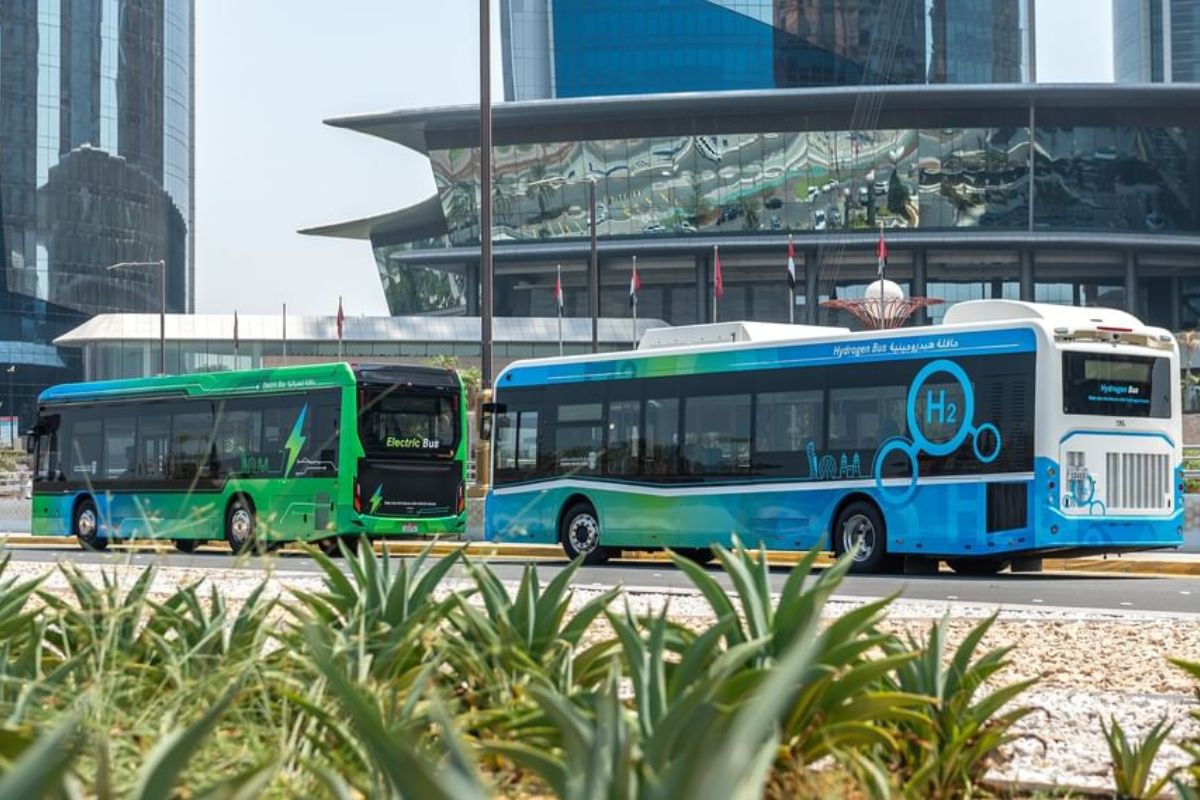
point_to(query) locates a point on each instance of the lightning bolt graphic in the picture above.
(376, 498)
(295, 441)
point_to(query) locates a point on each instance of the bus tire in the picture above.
(335, 546)
(239, 525)
(860, 523)
(188, 545)
(86, 526)
(976, 566)
(579, 534)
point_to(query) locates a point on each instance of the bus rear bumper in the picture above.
(402, 527)
(1106, 534)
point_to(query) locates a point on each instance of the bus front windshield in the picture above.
(1116, 385)
(398, 423)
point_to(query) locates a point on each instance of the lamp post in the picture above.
(593, 253)
(162, 304)
(485, 192)
(12, 409)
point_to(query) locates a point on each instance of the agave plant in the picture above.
(842, 700)
(382, 612)
(512, 641)
(710, 730)
(1132, 762)
(945, 753)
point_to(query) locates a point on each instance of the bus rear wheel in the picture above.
(976, 566)
(188, 545)
(87, 526)
(700, 555)
(579, 534)
(239, 526)
(860, 528)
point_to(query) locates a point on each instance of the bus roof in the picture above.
(202, 383)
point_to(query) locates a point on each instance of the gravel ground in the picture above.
(1090, 665)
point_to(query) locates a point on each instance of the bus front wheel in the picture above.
(859, 529)
(239, 526)
(579, 534)
(87, 526)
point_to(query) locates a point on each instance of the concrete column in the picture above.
(918, 284)
(811, 296)
(1131, 283)
(472, 270)
(1176, 304)
(1027, 275)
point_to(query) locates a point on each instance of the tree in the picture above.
(1188, 342)
(471, 377)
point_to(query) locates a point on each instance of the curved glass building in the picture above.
(1084, 195)
(95, 169)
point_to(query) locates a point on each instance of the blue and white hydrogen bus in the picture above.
(1011, 431)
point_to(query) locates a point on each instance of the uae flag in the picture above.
(791, 263)
(635, 283)
(558, 292)
(881, 253)
(341, 320)
(718, 279)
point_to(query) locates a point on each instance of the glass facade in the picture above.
(1156, 41)
(581, 48)
(671, 192)
(1136, 179)
(95, 169)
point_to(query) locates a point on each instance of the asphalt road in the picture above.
(1115, 593)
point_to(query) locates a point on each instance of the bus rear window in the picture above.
(1116, 385)
(400, 424)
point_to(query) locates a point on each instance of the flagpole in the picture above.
(791, 282)
(236, 342)
(284, 340)
(882, 261)
(633, 286)
(559, 303)
(716, 261)
(339, 327)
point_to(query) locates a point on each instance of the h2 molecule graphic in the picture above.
(938, 410)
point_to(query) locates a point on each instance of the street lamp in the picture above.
(593, 255)
(162, 307)
(12, 409)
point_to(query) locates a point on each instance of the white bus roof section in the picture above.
(727, 332)
(976, 311)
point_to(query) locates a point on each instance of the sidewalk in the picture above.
(1166, 562)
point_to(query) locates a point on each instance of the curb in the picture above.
(1112, 566)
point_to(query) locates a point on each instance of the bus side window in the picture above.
(662, 437)
(516, 442)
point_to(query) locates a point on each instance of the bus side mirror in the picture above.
(487, 415)
(30, 442)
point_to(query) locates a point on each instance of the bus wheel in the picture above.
(239, 526)
(188, 545)
(976, 566)
(861, 524)
(87, 526)
(579, 534)
(330, 545)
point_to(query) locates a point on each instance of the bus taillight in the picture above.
(357, 496)
(462, 497)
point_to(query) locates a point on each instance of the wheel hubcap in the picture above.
(240, 523)
(87, 523)
(584, 533)
(859, 530)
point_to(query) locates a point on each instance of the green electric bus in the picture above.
(256, 457)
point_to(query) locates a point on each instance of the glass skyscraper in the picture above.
(95, 169)
(1156, 41)
(582, 48)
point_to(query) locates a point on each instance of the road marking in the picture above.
(1126, 603)
(1184, 591)
(1038, 600)
(951, 597)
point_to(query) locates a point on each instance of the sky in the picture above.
(269, 71)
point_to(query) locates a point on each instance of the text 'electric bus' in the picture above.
(257, 458)
(1011, 431)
